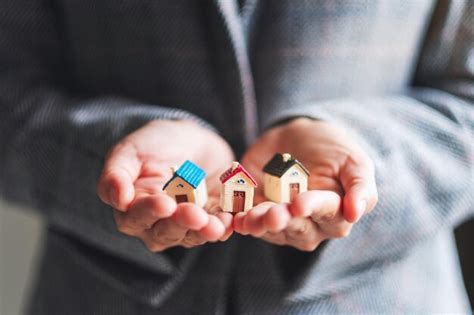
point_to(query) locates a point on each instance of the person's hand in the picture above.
(138, 166)
(341, 186)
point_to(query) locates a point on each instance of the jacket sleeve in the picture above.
(422, 143)
(53, 143)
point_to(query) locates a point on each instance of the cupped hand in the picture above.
(341, 186)
(136, 169)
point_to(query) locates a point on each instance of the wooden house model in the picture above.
(284, 178)
(237, 189)
(187, 184)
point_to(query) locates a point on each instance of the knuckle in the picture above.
(304, 229)
(123, 228)
(136, 223)
(299, 232)
(164, 233)
(324, 218)
(153, 247)
(170, 239)
(341, 232)
(193, 242)
(165, 238)
(128, 226)
(188, 246)
(275, 238)
(309, 246)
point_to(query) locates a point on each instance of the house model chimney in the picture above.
(286, 157)
(173, 169)
(235, 165)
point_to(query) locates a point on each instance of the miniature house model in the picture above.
(284, 178)
(237, 189)
(188, 184)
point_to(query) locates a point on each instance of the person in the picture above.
(375, 98)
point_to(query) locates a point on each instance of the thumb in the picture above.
(121, 169)
(358, 180)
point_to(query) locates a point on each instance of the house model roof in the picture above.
(234, 170)
(190, 173)
(280, 163)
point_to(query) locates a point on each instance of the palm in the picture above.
(334, 162)
(136, 170)
(157, 153)
(318, 152)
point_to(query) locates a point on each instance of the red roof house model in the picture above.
(231, 172)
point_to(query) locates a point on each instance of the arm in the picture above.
(422, 147)
(53, 144)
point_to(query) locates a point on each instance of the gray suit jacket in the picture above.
(76, 76)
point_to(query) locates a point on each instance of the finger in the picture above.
(144, 212)
(253, 221)
(259, 198)
(166, 233)
(226, 219)
(213, 230)
(150, 243)
(169, 232)
(191, 216)
(358, 180)
(193, 239)
(325, 210)
(278, 238)
(277, 218)
(316, 203)
(121, 169)
(303, 234)
(238, 223)
(333, 225)
(213, 204)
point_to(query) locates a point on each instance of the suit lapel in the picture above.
(235, 35)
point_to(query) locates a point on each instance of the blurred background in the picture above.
(21, 241)
(20, 244)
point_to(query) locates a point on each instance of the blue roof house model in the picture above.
(187, 184)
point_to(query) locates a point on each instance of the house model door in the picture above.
(294, 190)
(239, 201)
(181, 198)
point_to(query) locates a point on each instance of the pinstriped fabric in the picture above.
(77, 76)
